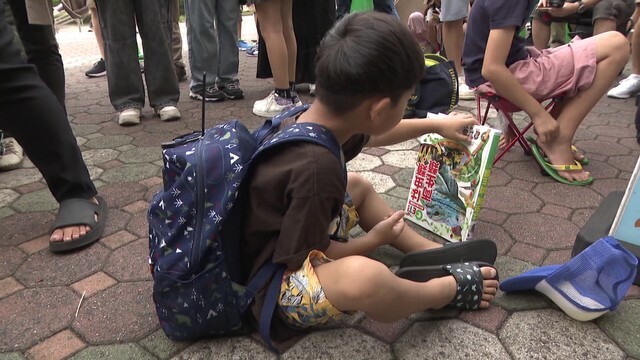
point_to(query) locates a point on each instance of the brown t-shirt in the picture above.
(294, 192)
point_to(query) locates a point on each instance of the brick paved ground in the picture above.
(533, 219)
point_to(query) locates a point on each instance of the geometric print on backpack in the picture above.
(195, 266)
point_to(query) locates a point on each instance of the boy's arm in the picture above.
(385, 232)
(448, 126)
(496, 72)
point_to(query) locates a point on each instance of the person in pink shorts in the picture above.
(582, 71)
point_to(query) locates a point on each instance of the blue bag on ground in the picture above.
(195, 227)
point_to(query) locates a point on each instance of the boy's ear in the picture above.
(378, 108)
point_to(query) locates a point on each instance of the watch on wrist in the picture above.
(581, 7)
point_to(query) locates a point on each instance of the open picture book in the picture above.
(449, 182)
(626, 224)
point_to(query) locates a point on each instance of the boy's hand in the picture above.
(452, 126)
(388, 230)
(545, 126)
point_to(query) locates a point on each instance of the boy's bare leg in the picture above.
(372, 209)
(612, 53)
(453, 39)
(357, 283)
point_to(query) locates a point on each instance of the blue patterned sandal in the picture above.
(467, 275)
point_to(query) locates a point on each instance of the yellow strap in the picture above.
(574, 167)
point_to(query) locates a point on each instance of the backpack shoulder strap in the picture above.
(272, 125)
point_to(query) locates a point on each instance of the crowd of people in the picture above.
(364, 72)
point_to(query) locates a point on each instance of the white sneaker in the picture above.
(12, 156)
(466, 93)
(169, 113)
(129, 117)
(627, 87)
(312, 89)
(272, 105)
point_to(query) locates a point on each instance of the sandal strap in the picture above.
(572, 167)
(76, 212)
(470, 288)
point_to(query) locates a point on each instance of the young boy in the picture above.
(582, 71)
(367, 67)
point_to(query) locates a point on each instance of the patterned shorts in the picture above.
(302, 300)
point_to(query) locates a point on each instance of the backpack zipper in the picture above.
(195, 249)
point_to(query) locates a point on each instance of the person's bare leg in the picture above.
(71, 232)
(357, 283)
(453, 39)
(612, 53)
(95, 21)
(635, 48)
(271, 27)
(372, 209)
(541, 34)
(289, 37)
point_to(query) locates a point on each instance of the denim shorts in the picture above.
(452, 10)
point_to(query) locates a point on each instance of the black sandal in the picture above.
(468, 276)
(473, 250)
(80, 212)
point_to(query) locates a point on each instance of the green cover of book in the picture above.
(449, 182)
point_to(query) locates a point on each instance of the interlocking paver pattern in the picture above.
(533, 219)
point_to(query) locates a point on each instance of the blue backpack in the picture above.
(195, 228)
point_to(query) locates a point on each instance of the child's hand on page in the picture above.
(452, 126)
(388, 230)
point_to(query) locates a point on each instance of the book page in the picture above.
(626, 225)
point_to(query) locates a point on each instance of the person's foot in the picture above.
(181, 73)
(210, 94)
(252, 51)
(561, 154)
(243, 45)
(168, 113)
(627, 88)
(466, 93)
(12, 154)
(231, 90)
(71, 232)
(272, 105)
(449, 287)
(98, 69)
(129, 117)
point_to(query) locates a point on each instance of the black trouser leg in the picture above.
(33, 114)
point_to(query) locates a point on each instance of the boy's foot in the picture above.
(468, 286)
(210, 94)
(272, 105)
(79, 222)
(12, 156)
(97, 70)
(627, 87)
(168, 113)
(129, 117)
(231, 90)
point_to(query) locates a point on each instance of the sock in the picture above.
(284, 93)
(634, 77)
(292, 86)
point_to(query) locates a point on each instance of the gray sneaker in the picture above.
(12, 154)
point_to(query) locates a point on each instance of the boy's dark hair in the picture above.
(366, 55)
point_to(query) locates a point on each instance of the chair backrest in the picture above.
(77, 9)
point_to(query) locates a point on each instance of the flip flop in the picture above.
(552, 169)
(467, 274)
(587, 286)
(80, 212)
(482, 250)
(584, 161)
